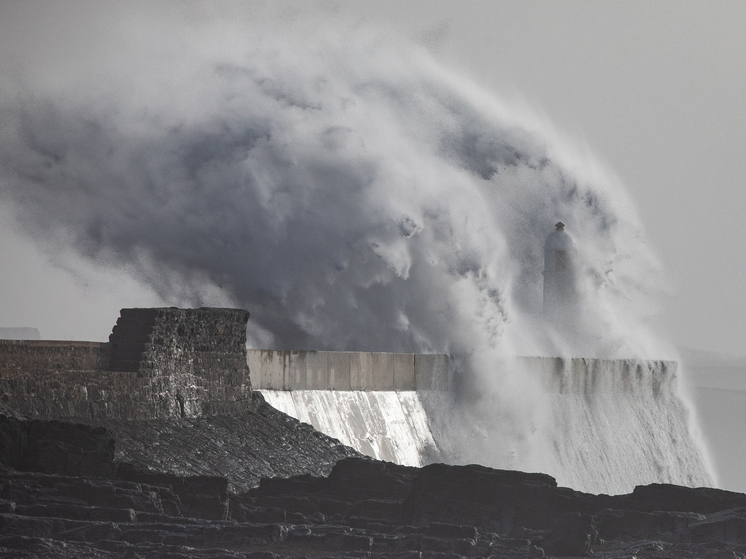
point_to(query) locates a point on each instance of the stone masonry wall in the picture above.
(158, 363)
(198, 358)
(41, 355)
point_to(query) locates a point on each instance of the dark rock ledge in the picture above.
(64, 494)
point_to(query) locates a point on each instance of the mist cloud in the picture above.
(351, 194)
(342, 186)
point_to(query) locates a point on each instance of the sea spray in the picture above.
(605, 425)
(352, 195)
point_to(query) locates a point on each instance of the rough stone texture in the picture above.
(52, 355)
(64, 494)
(574, 535)
(159, 363)
(195, 358)
(184, 407)
(243, 448)
(472, 511)
(363, 508)
(55, 447)
(186, 341)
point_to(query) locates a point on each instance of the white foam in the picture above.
(386, 425)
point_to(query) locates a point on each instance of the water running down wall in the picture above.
(383, 424)
(366, 400)
(608, 424)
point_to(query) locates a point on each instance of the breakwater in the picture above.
(606, 425)
(346, 370)
(170, 391)
(367, 400)
(602, 425)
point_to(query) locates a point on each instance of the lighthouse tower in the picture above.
(559, 274)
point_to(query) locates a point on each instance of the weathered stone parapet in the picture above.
(158, 363)
(42, 355)
(162, 340)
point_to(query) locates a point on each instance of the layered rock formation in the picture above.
(95, 507)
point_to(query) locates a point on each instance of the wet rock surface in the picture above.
(263, 485)
(243, 448)
(63, 494)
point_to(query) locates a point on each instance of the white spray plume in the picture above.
(351, 194)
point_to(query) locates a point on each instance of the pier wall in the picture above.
(346, 370)
(369, 371)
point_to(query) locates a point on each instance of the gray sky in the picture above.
(654, 89)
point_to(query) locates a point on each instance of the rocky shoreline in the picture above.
(64, 494)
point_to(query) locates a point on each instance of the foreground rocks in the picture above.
(243, 448)
(63, 494)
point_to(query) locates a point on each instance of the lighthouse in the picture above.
(559, 274)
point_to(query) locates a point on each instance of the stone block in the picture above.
(272, 370)
(431, 371)
(339, 370)
(254, 362)
(383, 371)
(295, 370)
(361, 371)
(317, 370)
(403, 371)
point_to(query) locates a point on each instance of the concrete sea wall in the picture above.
(583, 375)
(605, 425)
(347, 370)
(619, 423)
(383, 424)
(366, 400)
(281, 370)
